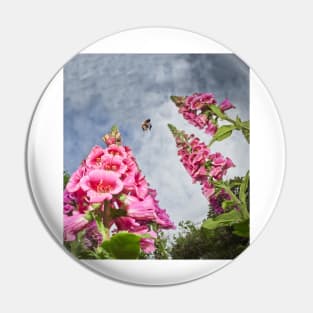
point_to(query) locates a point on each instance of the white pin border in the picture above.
(45, 156)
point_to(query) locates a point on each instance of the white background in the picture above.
(38, 37)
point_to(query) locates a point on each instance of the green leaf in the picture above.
(114, 213)
(245, 128)
(76, 246)
(96, 205)
(66, 178)
(242, 229)
(246, 134)
(114, 128)
(101, 228)
(225, 219)
(222, 133)
(217, 111)
(122, 197)
(227, 204)
(243, 189)
(123, 245)
(173, 129)
(89, 216)
(246, 125)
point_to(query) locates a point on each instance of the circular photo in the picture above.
(145, 140)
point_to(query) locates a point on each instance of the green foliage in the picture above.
(161, 244)
(226, 219)
(245, 128)
(66, 178)
(162, 249)
(78, 248)
(173, 129)
(222, 133)
(123, 245)
(197, 243)
(217, 111)
(242, 229)
(236, 215)
(243, 191)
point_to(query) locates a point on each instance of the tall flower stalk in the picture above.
(109, 206)
(208, 168)
(204, 166)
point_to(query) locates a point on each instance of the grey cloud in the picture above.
(101, 90)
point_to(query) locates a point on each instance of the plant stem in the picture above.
(238, 127)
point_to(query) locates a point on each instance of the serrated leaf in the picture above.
(225, 219)
(123, 245)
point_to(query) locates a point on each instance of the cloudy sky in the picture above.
(124, 89)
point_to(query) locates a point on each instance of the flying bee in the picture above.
(146, 125)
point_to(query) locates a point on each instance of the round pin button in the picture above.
(147, 154)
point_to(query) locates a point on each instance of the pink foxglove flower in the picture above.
(113, 163)
(136, 184)
(100, 185)
(141, 209)
(199, 101)
(73, 224)
(208, 189)
(147, 244)
(93, 237)
(196, 110)
(109, 185)
(162, 218)
(94, 159)
(74, 181)
(226, 105)
(217, 200)
(69, 202)
(211, 128)
(126, 223)
(201, 164)
(116, 150)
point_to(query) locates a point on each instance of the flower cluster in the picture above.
(109, 185)
(217, 200)
(195, 109)
(201, 164)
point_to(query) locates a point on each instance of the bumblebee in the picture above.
(146, 125)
